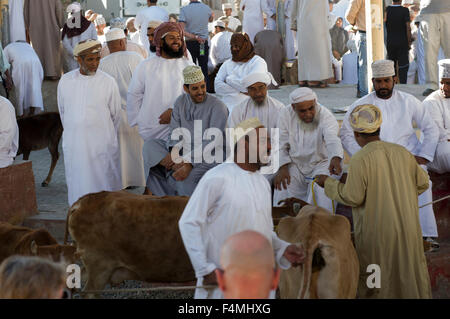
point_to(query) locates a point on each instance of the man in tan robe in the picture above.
(382, 186)
(43, 22)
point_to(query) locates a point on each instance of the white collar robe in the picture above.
(121, 65)
(228, 80)
(89, 107)
(27, 74)
(398, 113)
(227, 200)
(9, 133)
(156, 84)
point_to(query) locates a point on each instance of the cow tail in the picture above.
(71, 210)
(307, 271)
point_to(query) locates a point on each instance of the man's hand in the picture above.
(320, 180)
(335, 166)
(164, 118)
(282, 179)
(421, 160)
(295, 255)
(8, 80)
(210, 279)
(343, 179)
(336, 55)
(183, 172)
(167, 162)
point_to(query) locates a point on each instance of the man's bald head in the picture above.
(248, 264)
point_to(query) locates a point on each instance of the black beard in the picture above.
(383, 95)
(152, 48)
(171, 53)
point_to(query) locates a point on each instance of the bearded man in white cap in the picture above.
(382, 186)
(120, 64)
(227, 11)
(129, 45)
(258, 103)
(173, 166)
(133, 33)
(230, 198)
(76, 29)
(438, 104)
(89, 106)
(309, 146)
(152, 25)
(399, 110)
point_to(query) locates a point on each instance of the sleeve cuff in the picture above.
(282, 261)
(205, 271)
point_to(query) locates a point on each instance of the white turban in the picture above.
(154, 24)
(130, 19)
(219, 23)
(253, 78)
(87, 47)
(246, 127)
(444, 69)
(383, 68)
(100, 20)
(233, 23)
(73, 7)
(114, 34)
(226, 6)
(302, 94)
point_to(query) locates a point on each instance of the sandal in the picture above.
(320, 85)
(303, 84)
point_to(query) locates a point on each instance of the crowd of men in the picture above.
(137, 106)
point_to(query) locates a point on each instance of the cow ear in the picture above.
(33, 248)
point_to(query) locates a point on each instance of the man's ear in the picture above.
(220, 279)
(186, 88)
(79, 60)
(275, 279)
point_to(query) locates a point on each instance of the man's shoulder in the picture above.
(433, 97)
(276, 103)
(217, 103)
(220, 173)
(6, 104)
(69, 76)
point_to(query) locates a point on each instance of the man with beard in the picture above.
(258, 104)
(228, 84)
(89, 107)
(150, 98)
(309, 146)
(230, 198)
(194, 113)
(399, 110)
(152, 25)
(438, 104)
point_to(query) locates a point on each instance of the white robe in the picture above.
(313, 38)
(220, 49)
(70, 43)
(121, 65)
(135, 37)
(16, 21)
(144, 16)
(290, 43)
(398, 113)
(350, 68)
(253, 21)
(89, 107)
(156, 84)
(268, 7)
(131, 47)
(27, 74)
(227, 200)
(9, 133)
(308, 153)
(228, 80)
(439, 109)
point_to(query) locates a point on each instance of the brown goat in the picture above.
(38, 132)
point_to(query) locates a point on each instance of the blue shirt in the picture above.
(196, 17)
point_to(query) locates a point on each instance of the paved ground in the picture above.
(52, 200)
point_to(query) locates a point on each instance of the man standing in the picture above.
(9, 133)
(310, 20)
(194, 112)
(43, 21)
(356, 16)
(438, 105)
(100, 25)
(227, 11)
(194, 19)
(16, 21)
(269, 8)
(253, 21)
(399, 111)
(230, 198)
(144, 16)
(228, 84)
(133, 33)
(120, 64)
(382, 185)
(434, 20)
(89, 106)
(309, 146)
(152, 25)
(27, 74)
(258, 104)
(248, 269)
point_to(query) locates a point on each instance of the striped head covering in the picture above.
(366, 118)
(161, 32)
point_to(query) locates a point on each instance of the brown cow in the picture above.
(17, 240)
(122, 236)
(37, 132)
(331, 267)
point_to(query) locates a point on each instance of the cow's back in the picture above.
(136, 232)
